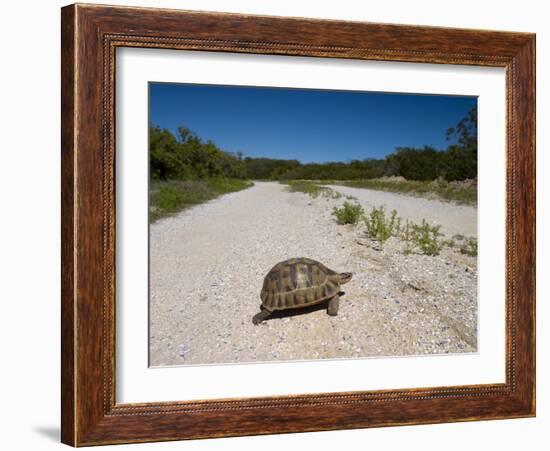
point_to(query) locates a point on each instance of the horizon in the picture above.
(308, 125)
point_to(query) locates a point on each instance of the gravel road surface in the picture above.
(207, 266)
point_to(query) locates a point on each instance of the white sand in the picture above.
(208, 264)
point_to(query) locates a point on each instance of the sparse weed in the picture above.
(349, 213)
(397, 228)
(426, 238)
(379, 227)
(423, 238)
(406, 236)
(469, 247)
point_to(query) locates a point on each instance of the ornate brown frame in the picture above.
(90, 36)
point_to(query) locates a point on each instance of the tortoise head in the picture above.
(345, 277)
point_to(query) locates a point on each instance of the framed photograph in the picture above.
(279, 225)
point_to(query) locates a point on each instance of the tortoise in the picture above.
(297, 283)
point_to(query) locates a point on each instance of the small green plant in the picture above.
(397, 227)
(469, 247)
(380, 227)
(405, 235)
(426, 238)
(349, 213)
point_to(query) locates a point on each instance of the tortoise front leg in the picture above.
(333, 304)
(259, 317)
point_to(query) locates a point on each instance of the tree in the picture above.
(461, 161)
(417, 164)
(164, 154)
(465, 132)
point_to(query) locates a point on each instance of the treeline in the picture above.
(188, 156)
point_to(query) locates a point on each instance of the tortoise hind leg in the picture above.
(333, 304)
(259, 317)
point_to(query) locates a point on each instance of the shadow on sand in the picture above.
(300, 311)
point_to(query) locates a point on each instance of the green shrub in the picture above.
(379, 227)
(469, 247)
(426, 238)
(348, 213)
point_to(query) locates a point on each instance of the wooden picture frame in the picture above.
(90, 36)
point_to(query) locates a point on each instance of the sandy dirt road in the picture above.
(207, 266)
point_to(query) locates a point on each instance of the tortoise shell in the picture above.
(298, 282)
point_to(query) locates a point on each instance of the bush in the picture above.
(348, 213)
(381, 228)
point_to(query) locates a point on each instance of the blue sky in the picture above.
(305, 124)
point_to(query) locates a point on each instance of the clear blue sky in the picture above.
(306, 124)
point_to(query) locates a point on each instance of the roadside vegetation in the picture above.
(380, 227)
(461, 192)
(427, 238)
(422, 238)
(169, 197)
(349, 213)
(185, 171)
(469, 247)
(311, 188)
